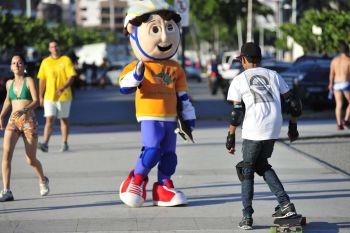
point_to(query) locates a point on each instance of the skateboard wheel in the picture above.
(273, 230)
(303, 221)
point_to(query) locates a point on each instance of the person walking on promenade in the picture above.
(56, 74)
(339, 84)
(215, 79)
(260, 90)
(22, 97)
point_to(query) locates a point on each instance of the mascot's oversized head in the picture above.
(154, 29)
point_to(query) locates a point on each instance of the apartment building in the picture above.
(104, 14)
(61, 11)
(19, 7)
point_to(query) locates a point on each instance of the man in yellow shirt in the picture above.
(56, 76)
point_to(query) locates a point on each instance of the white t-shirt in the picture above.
(260, 90)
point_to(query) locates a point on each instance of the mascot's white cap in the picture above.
(141, 7)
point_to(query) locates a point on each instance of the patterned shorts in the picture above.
(25, 124)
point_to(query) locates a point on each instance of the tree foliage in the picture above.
(207, 15)
(303, 6)
(19, 31)
(335, 28)
(223, 14)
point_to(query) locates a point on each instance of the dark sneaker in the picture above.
(340, 127)
(285, 211)
(347, 124)
(246, 223)
(43, 147)
(6, 196)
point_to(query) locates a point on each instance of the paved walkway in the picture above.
(84, 184)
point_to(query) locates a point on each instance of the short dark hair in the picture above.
(53, 41)
(20, 55)
(254, 60)
(343, 47)
(251, 52)
(165, 14)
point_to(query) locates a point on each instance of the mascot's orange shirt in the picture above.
(156, 96)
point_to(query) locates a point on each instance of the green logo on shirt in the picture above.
(165, 77)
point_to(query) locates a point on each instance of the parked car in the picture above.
(231, 69)
(314, 58)
(114, 73)
(309, 80)
(193, 70)
(228, 58)
(278, 66)
(5, 74)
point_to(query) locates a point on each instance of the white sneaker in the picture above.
(64, 148)
(44, 187)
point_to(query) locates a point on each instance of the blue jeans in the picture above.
(255, 158)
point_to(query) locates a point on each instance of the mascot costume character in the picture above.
(153, 27)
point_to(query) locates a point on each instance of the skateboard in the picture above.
(183, 130)
(291, 224)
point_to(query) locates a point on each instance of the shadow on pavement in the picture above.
(323, 226)
(49, 208)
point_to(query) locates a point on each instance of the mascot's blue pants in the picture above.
(159, 146)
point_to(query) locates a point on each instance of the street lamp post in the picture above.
(317, 31)
(28, 8)
(111, 15)
(261, 39)
(279, 54)
(239, 32)
(294, 11)
(249, 20)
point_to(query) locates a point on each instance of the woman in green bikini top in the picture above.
(24, 94)
(22, 97)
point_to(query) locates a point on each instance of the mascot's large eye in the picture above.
(170, 27)
(155, 30)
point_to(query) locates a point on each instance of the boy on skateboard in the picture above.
(260, 90)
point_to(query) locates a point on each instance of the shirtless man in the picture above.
(339, 83)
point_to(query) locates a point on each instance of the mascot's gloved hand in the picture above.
(186, 110)
(140, 69)
(191, 124)
(230, 141)
(293, 133)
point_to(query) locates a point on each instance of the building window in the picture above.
(105, 20)
(105, 11)
(119, 10)
(119, 20)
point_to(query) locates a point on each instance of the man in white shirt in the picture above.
(260, 90)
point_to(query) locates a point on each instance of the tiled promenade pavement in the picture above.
(85, 181)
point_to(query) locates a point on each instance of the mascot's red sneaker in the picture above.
(133, 190)
(166, 195)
